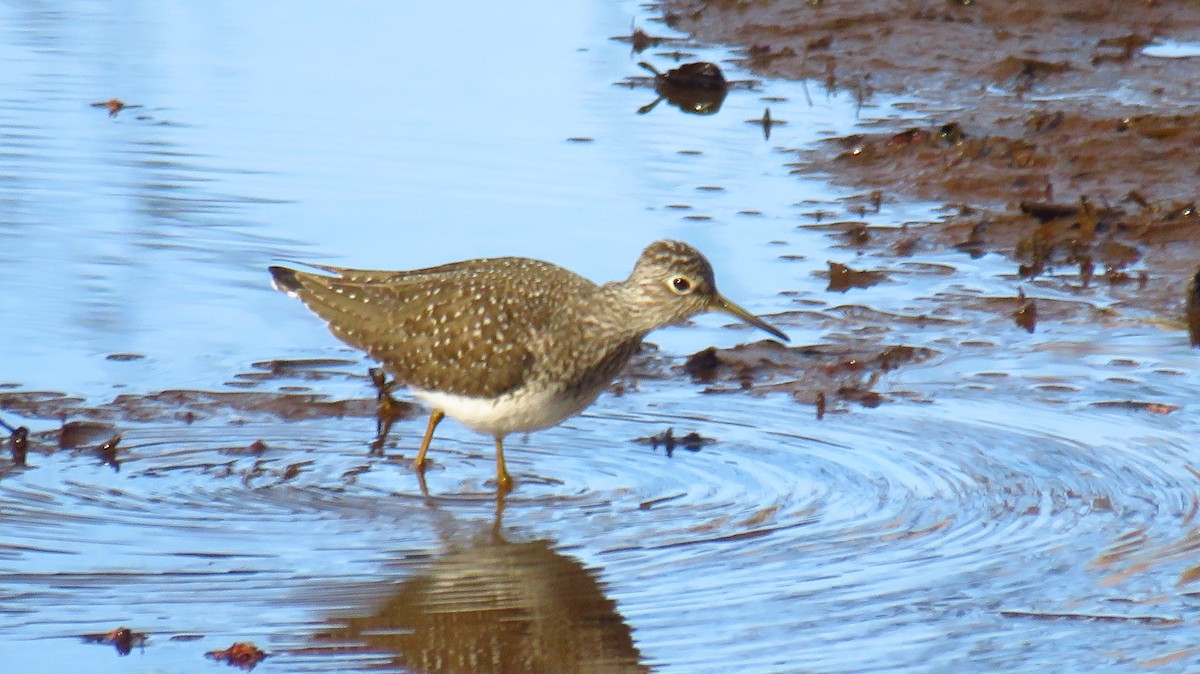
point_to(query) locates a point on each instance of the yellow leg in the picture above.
(504, 483)
(435, 418)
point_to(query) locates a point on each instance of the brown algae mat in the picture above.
(1051, 134)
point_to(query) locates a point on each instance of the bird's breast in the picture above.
(521, 410)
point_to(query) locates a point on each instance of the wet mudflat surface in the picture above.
(976, 454)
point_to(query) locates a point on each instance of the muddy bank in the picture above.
(941, 50)
(846, 373)
(1048, 130)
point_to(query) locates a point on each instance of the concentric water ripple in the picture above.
(921, 532)
(910, 537)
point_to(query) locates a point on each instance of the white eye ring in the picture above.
(680, 285)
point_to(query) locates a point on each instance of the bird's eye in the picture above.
(681, 285)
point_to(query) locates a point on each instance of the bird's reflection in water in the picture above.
(692, 101)
(486, 604)
(695, 88)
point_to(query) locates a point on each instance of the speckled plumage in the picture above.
(509, 344)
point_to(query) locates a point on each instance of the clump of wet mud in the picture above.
(935, 49)
(843, 278)
(848, 372)
(808, 374)
(1053, 138)
(123, 639)
(289, 402)
(184, 405)
(85, 426)
(243, 654)
(691, 441)
(1045, 155)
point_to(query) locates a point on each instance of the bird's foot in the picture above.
(504, 483)
(388, 409)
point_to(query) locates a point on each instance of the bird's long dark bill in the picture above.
(726, 307)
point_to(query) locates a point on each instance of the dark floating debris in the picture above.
(19, 439)
(702, 365)
(677, 55)
(951, 134)
(1193, 310)
(696, 75)
(647, 505)
(808, 373)
(108, 452)
(1045, 211)
(1026, 313)
(20, 445)
(1137, 405)
(285, 366)
(178, 404)
(639, 40)
(84, 433)
(857, 234)
(693, 442)
(766, 122)
(123, 639)
(1095, 617)
(242, 654)
(698, 88)
(843, 278)
(114, 106)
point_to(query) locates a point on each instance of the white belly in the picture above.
(520, 411)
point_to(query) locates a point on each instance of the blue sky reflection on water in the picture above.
(381, 135)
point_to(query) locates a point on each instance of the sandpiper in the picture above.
(508, 344)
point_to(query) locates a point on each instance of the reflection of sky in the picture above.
(389, 135)
(1172, 49)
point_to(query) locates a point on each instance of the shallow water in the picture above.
(1012, 505)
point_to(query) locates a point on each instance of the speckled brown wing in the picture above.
(468, 328)
(385, 275)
